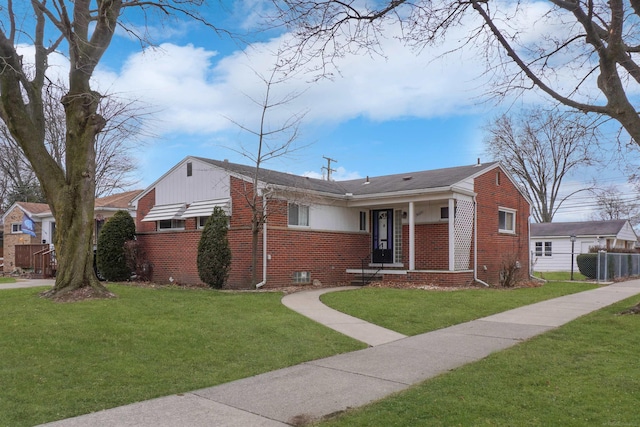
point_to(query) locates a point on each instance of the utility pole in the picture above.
(328, 167)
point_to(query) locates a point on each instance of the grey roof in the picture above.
(584, 228)
(430, 179)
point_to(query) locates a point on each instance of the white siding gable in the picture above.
(627, 233)
(205, 183)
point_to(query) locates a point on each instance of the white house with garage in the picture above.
(553, 244)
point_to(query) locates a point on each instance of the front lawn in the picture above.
(415, 311)
(7, 280)
(61, 360)
(585, 373)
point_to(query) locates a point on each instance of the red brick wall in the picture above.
(449, 279)
(432, 246)
(494, 248)
(325, 255)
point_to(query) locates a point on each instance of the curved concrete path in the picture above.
(312, 390)
(308, 304)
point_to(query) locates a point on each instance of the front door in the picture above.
(383, 236)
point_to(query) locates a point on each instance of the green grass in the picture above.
(585, 373)
(557, 276)
(62, 360)
(7, 280)
(415, 311)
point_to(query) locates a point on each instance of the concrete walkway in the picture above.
(28, 283)
(314, 389)
(308, 304)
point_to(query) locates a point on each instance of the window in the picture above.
(16, 227)
(547, 248)
(444, 212)
(363, 221)
(189, 169)
(506, 221)
(171, 224)
(298, 214)
(301, 277)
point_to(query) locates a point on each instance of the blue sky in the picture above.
(405, 112)
(379, 115)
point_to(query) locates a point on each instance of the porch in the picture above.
(420, 242)
(38, 261)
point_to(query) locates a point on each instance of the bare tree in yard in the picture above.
(611, 204)
(541, 148)
(273, 141)
(84, 28)
(581, 53)
(17, 180)
(114, 164)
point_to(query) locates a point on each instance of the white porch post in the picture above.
(412, 237)
(452, 235)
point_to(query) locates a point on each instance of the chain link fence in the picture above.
(611, 266)
(601, 266)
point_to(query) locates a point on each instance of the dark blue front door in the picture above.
(383, 236)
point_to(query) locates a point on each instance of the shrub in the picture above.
(136, 259)
(214, 254)
(587, 264)
(510, 271)
(110, 255)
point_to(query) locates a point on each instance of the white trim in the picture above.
(452, 235)
(162, 212)
(507, 211)
(205, 208)
(412, 237)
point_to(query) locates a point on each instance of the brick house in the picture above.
(447, 227)
(45, 226)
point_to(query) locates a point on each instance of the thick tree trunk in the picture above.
(73, 204)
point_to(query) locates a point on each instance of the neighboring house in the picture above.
(445, 227)
(551, 242)
(44, 226)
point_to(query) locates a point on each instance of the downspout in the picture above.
(264, 240)
(475, 243)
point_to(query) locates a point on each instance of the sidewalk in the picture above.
(314, 389)
(28, 283)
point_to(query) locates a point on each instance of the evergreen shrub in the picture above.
(111, 259)
(214, 253)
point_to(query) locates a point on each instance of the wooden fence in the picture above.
(39, 258)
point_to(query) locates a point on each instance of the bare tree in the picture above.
(541, 148)
(584, 54)
(84, 29)
(613, 205)
(273, 140)
(17, 180)
(115, 165)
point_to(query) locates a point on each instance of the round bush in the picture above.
(587, 264)
(110, 255)
(214, 254)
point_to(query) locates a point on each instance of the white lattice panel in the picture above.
(397, 236)
(463, 234)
